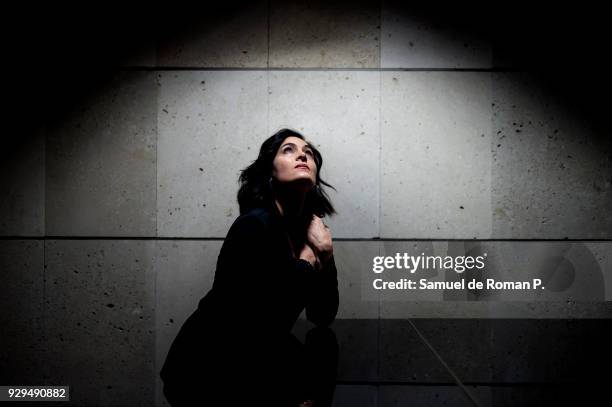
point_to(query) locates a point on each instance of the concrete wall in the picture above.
(435, 129)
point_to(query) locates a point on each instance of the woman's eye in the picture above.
(286, 149)
(309, 152)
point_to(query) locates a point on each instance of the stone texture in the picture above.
(573, 276)
(22, 342)
(569, 271)
(602, 252)
(570, 350)
(100, 174)
(404, 357)
(144, 55)
(558, 394)
(501, 350)
(435, 155)
(349, 396)
(99, 307)
(551, 164)
(429, 36)
(220, 35)
(353, 262)
(392, 396)
(323, 107)
(185, 272)
(325, 34)
(496, 309)
(395, 298)
(22, 187)
(210, 126)
(358, 341)
(463, 344)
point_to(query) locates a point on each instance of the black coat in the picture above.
(242, 326)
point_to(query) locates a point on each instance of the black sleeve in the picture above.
(242, 277)
(252, 283)
(323, 300)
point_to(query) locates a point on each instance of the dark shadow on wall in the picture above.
(502, 362)
(60, 55)
(64, 56)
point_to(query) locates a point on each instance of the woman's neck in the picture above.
(289, 204)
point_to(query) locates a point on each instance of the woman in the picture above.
(276, 261)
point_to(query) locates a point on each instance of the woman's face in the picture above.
(294, 163)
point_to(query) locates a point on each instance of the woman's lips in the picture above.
(304, 167)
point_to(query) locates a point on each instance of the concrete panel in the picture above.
(574, 277)
(534, 36)
(391, 299)
(325, 34)
(517, 351)
(568, 350)
(551, 167)
(22, 186)
(211, 125)
(218, 36)
(404, 357)
(21, 312)
(569, 271)
(557, 394)
(435, 163)
(463, 344)
(100, 178)
(132, 42)
(497, 309)
(450, 309)
(414, 395)
(323, 106)
(358, 342)
(100, 299)
(144, 54)
(185, 272)
(602, 251)
(422, 36)
(350, 396)
(353, 262)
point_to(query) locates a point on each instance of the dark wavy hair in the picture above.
(255, 180)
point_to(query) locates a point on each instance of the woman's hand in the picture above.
(309, 255)
(319, 237)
